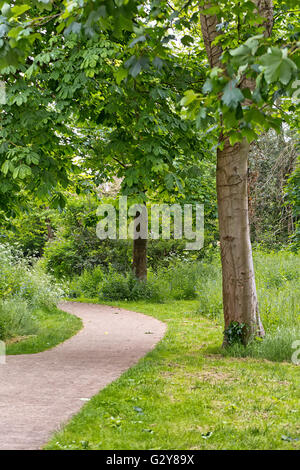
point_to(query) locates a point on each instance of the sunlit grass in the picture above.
(52, 326)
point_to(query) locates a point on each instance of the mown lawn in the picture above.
(186, 395)
(53, 326)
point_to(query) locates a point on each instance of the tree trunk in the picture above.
(239, 290)
(139, 264)
(50, 233)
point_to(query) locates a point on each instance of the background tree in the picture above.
(272, 161)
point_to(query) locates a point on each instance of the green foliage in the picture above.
(113, 285)
(29, 230)
(88, 284)
(234, 333)
(275, 347)
(125, 287)
(60, 258)
(177, 281)
(274, 74)
(23, 290)
(180, 279)
(139, 125)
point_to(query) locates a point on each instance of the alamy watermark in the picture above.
(296, 354)
(185, 221)
(2, 353)
(2, 93)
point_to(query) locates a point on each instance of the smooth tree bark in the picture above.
(239, 291)
(238, 281)
(139, 263)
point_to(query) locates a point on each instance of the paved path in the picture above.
(40, 392)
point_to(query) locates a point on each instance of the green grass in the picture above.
(52, 326)
(277, 278)
(186, 395)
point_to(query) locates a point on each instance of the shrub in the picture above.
(117, 286)
(23, 289)
(177, 282)
(60, 258)
(88, 284)
(25, 281)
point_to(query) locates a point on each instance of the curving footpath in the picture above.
(40, 392)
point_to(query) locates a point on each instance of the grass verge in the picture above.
(53, 326)
(186, 395)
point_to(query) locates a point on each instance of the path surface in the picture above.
(40, 392)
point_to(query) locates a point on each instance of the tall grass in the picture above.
(24, 288)
(277, 278)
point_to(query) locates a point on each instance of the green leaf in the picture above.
(276, 66)
(201, 118)
(229, 119)
(241, 54)
(214, 10)
(187, 40)
(254, 116)
(16, 172)
(158, 63)
(74, 28)
(5, 167)
(169, 181)
(14, 32)
(18, 10)
(285, 72)
(208, 86)
(32, 158)
(253, 43)
(235, 137)
(189, 97)
(120, 74)
(5, 9)
(249, 134)
(135, 70)
(24, 171)
(60, 27)
(232, 95)
(136, 40)
(3, 30)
